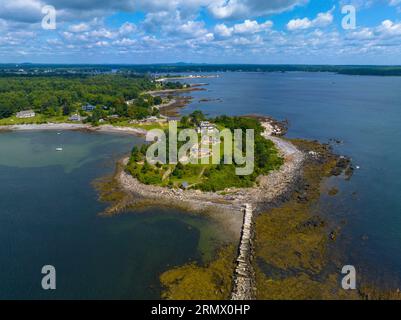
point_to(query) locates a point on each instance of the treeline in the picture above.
(182, 67)
(54, 96)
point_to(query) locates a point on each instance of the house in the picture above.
(152, 119)
(26, 114)
(129, 102)
(88, 107)
(197, 152)
(148, 120)
(75, 117)
(208, 139)
(206, 127)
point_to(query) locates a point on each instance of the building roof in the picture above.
(26, 111)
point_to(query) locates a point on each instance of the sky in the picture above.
(201, 31)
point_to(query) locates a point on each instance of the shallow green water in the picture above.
(49, 216)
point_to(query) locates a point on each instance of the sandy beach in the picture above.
(73, 126)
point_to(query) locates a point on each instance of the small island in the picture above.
(201, 174)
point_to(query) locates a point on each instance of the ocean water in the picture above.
(49, 215)
(362, 111)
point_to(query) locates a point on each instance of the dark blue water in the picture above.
(365, 113)
(49, 215)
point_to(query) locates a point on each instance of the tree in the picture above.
(157, 100)
(184, 122)
(62, 94)
(67, 110)
(196, 117)
(6, 111)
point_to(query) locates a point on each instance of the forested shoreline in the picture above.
(63, 96)
(34, 70)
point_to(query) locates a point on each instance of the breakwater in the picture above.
(244, 276)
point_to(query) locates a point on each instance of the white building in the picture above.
(26, 114)
(209, 139)
(75, 117)
(198, 152)
(206, 127)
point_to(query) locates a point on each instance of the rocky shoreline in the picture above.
(229, 204)
(270, 189)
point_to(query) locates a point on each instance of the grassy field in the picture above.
(42, 119)
(38, 119)
(150, 126)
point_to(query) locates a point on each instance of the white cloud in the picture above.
(227, 9)
(28, 11)
(102, 44)
(193, 28)
(102, 33)
(222, 30)
(297, 24)
(323, 19)
(362, 34)
(81, 27)
(252, 26)
(389, 28)
(247, 27)
(125, 42)
(127, 28)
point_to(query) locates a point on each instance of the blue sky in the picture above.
(201, 31)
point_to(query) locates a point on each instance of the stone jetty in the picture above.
(244, 277)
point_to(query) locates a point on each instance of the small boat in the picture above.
(59, 149)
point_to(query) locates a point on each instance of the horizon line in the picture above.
(199, 64)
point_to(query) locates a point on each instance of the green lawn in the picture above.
(38, 119)
(147, 127)
(41, 119)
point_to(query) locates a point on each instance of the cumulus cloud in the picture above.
(79, 27)
(252, 26)
(247, 27)
(361, 34)
(173, 28)
(125, 42)
(192, 28)
(27, 11)
(226, 9)
(30, 11)
(222, 30)
(127, 28)
(389, 28)
(323, 19)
